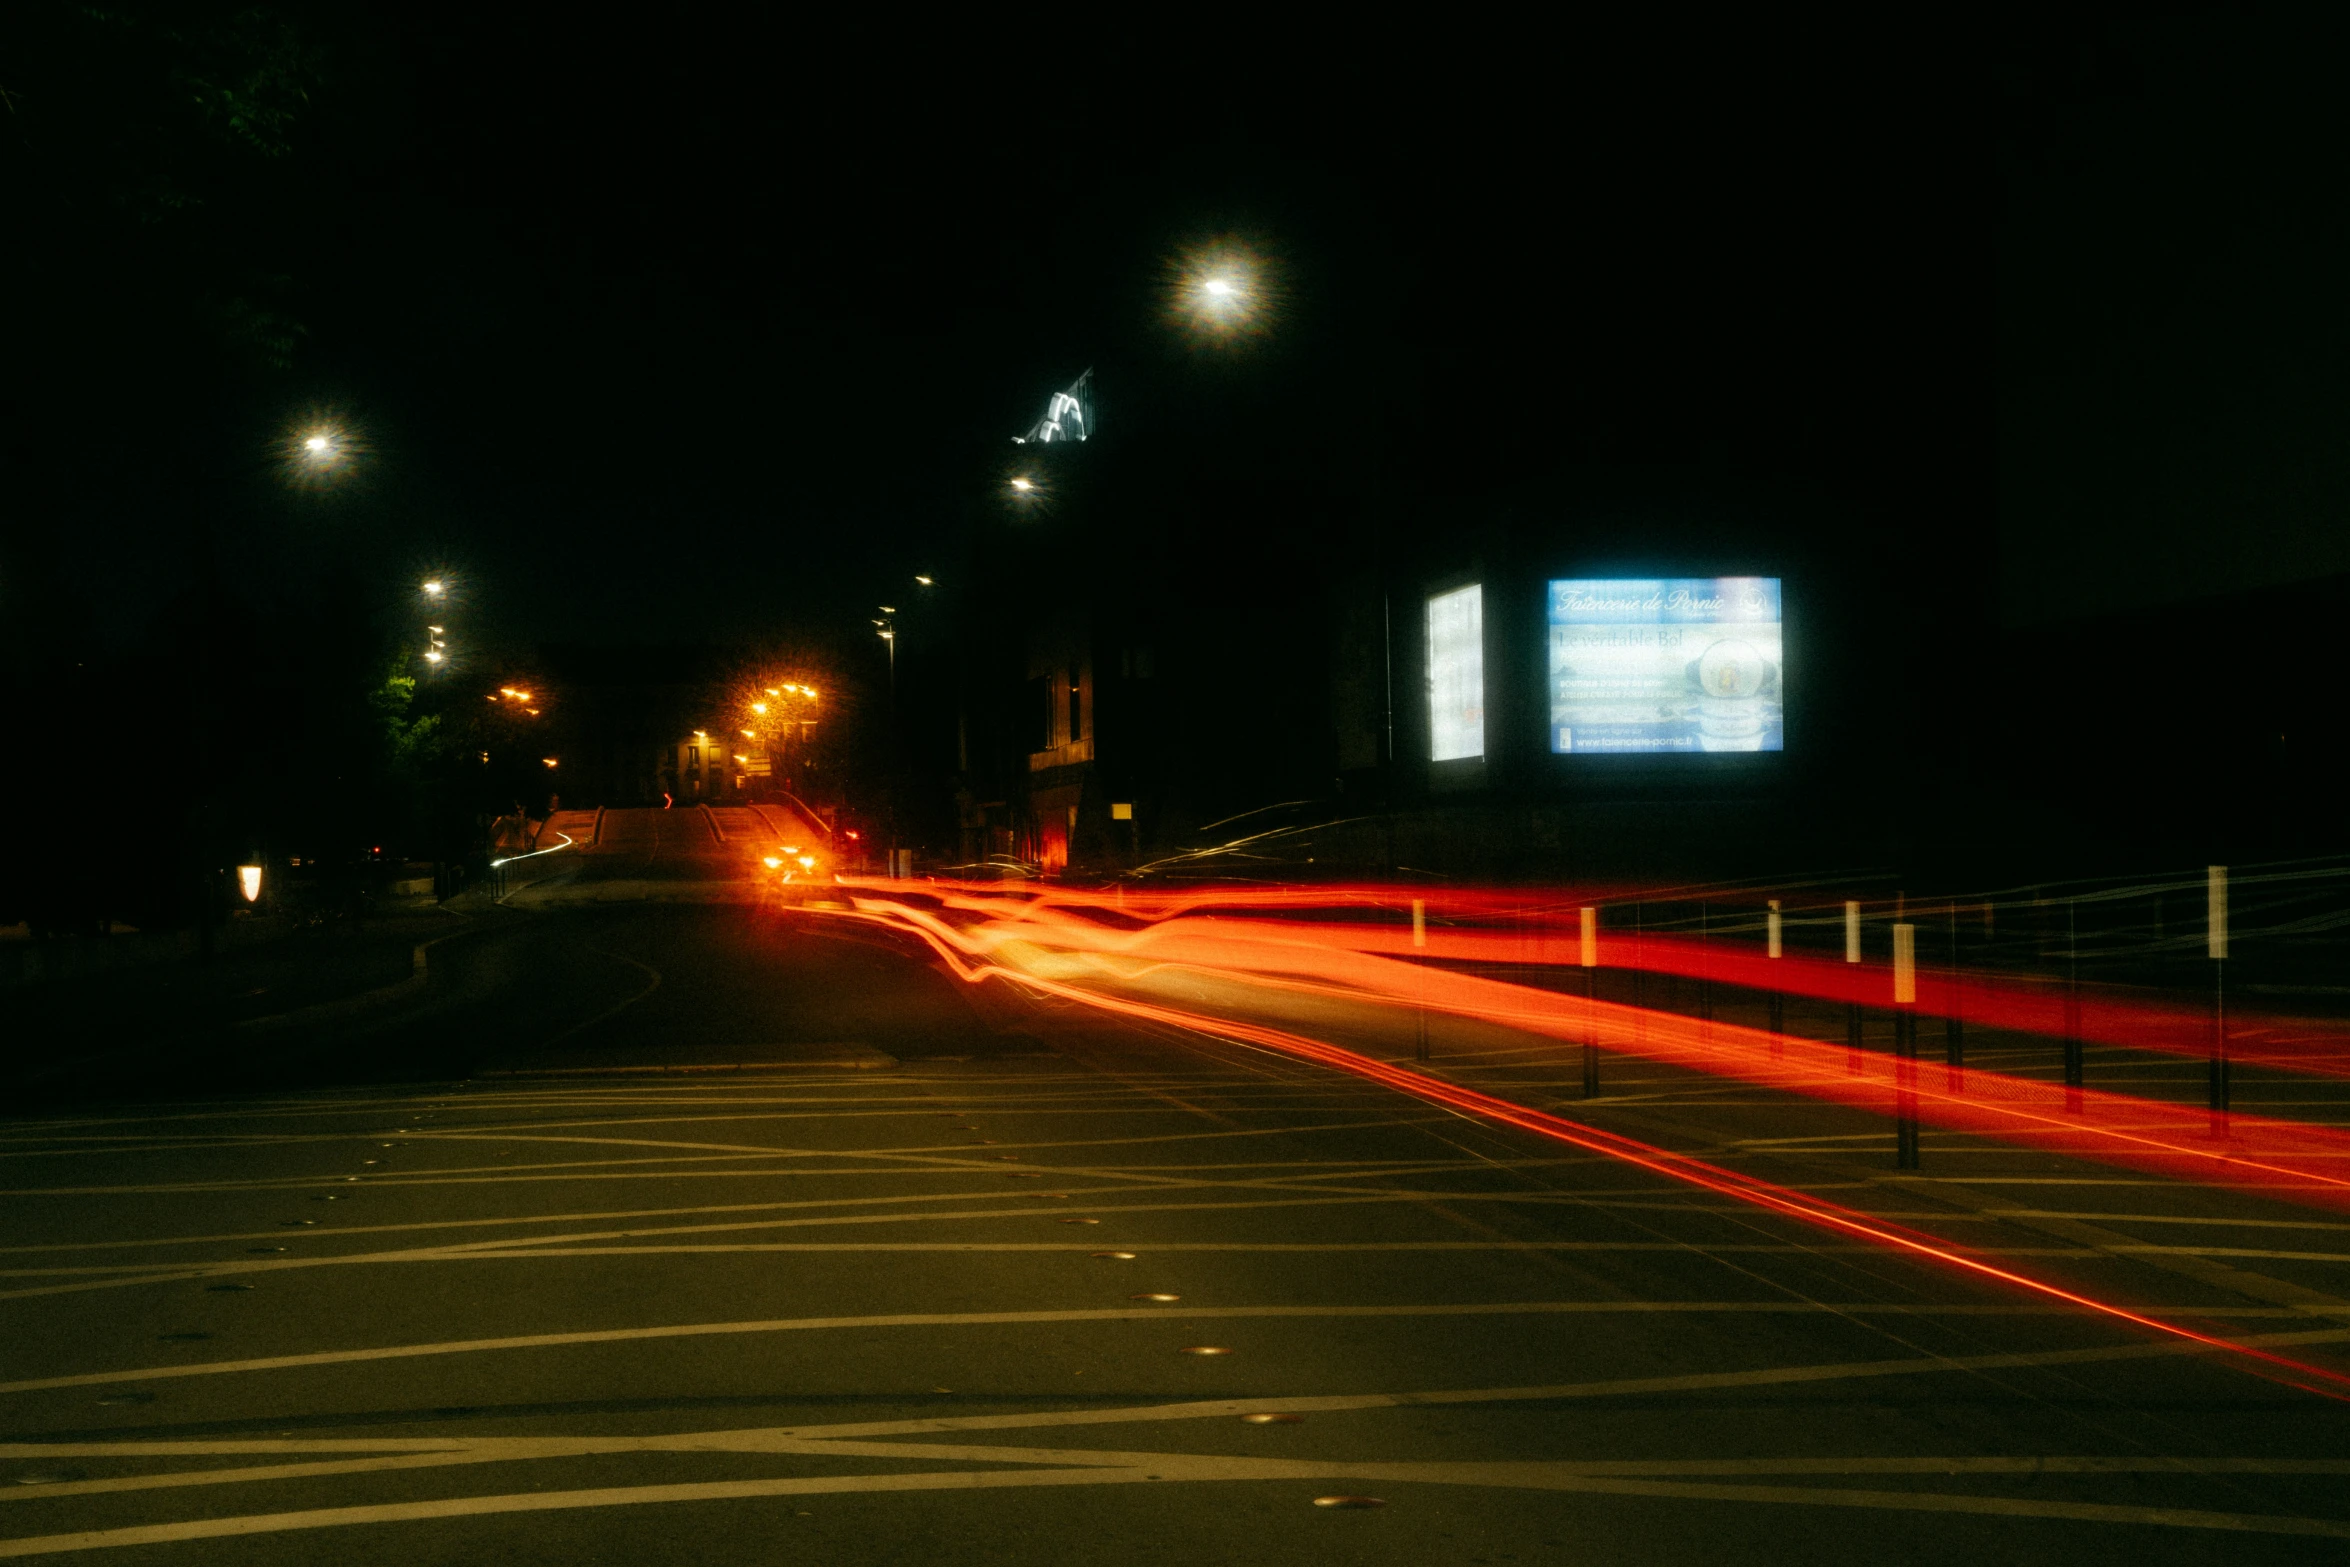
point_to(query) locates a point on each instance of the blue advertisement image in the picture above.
(1641, 666)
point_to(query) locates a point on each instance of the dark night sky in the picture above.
(699, 328)
(2174, 350)
(705, 326)
(708, 330)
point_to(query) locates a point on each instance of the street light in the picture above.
(320, 453)
(1221, 291)
(434, 588)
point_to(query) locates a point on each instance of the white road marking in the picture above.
(1611, 1196)
(1114, 1314)
(1175, 1468)
(187, 1271)
(547, 1501)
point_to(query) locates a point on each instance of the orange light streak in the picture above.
(955, 952)
(2309, 1163)
(1507, 929)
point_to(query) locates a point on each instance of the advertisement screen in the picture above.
(1648, 665)
(1456, 675)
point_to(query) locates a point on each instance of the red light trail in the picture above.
(1320, 955)
(968, 926)
(1514, 929)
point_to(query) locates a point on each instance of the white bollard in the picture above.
(1590, 938)
(1771, 927)
(1905, 965)
(1419, 923)
(1851, 931)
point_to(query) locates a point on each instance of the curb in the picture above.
(419, 961)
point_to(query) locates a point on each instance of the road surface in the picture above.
(702, 1230)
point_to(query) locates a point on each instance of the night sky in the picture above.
(711, 332)
(698, 329)
(2174, 334)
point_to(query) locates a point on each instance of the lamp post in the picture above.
(310, 457)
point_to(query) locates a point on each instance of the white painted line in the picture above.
(544, 1501)
(1171, 1468)
(1217, 1313)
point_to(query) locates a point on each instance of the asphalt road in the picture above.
(708, 1232)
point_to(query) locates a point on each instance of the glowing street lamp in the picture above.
(435, 587)
(249, 882)
(1218, 303)
(319, 453)
(1221, 291)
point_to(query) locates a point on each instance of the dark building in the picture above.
(1170, 645)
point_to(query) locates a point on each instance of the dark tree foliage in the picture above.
(166, 695)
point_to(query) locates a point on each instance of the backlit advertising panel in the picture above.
(1456, 675)
(1647, 666)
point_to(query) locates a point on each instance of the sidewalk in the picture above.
(55, 1029)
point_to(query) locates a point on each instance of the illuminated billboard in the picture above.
(1456, 674)
(1666, 664)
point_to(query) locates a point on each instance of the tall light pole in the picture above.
(310, 457)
